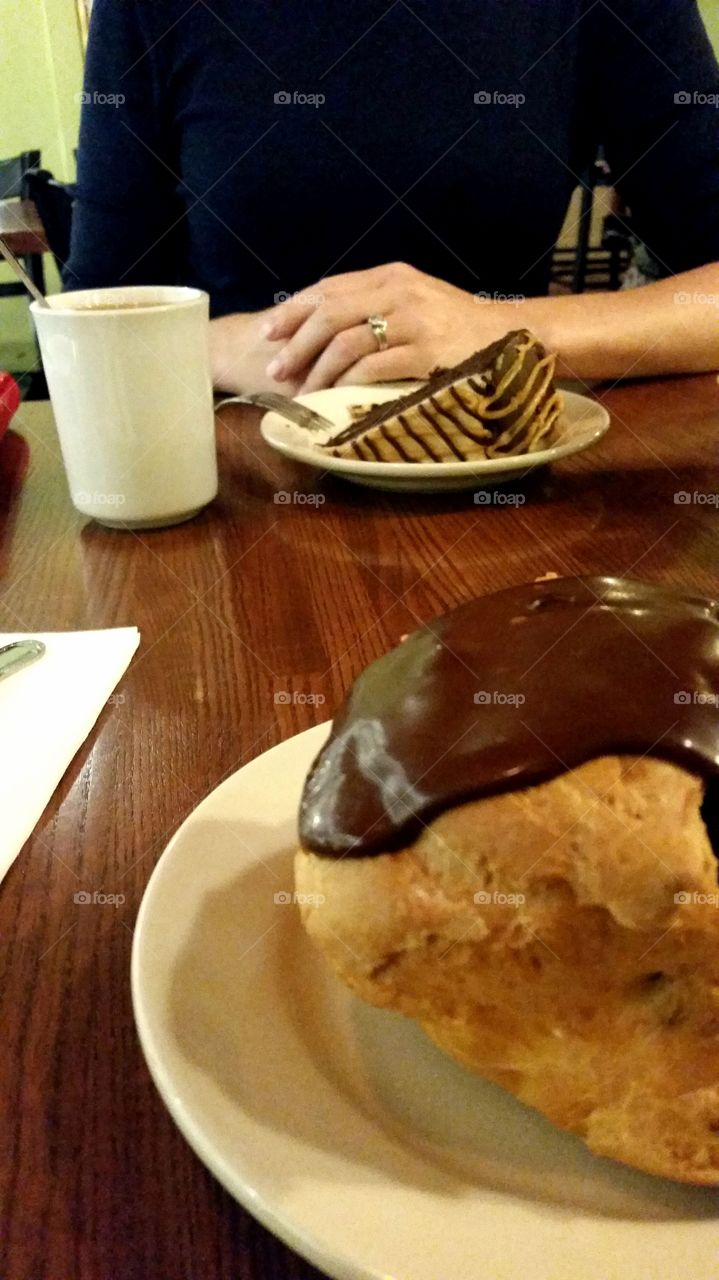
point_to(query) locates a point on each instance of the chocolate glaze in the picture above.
(604, 665)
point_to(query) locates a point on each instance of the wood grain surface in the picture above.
(254, 597)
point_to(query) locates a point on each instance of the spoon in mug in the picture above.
(22, 274)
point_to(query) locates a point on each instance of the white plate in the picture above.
(342, 1128)
(582, 423)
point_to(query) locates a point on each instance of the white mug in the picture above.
(128, 372)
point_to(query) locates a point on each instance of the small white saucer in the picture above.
(583, 422)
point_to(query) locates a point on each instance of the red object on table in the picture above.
(9, 400)
(14, 463)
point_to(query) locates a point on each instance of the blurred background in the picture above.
(41, 61)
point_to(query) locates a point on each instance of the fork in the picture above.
(277, 403)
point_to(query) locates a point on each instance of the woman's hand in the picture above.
(321, 338)
(326, 340)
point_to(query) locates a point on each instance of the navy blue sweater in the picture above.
(252, 146)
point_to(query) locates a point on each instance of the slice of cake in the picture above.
(500, 401)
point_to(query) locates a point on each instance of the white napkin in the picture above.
(46, 712)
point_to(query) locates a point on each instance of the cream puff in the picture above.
(508, 837)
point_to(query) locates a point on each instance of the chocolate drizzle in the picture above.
(511, 690)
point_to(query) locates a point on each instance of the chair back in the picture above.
(13, 173)
(53, 201)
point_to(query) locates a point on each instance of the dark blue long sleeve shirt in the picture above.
(251, 147)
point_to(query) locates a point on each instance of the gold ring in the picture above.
(378, 325)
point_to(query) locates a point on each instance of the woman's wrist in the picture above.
(572, 326)
(595, 335)
(227, 335)
(240, 354)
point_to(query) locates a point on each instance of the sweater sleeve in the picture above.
(128, 211)
(656, 86)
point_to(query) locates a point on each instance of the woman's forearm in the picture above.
(671, 326)
(668, 327)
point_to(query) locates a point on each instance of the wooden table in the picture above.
(254, 596)
(21, 228)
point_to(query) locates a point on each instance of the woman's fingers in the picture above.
(344, 351)
(329, 340)
(286, 318)
(319, 330)
(383, 366)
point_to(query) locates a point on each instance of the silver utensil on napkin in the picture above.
(297, 413)
(19, 654)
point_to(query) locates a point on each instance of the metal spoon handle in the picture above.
(20, 271)
(19, 654)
